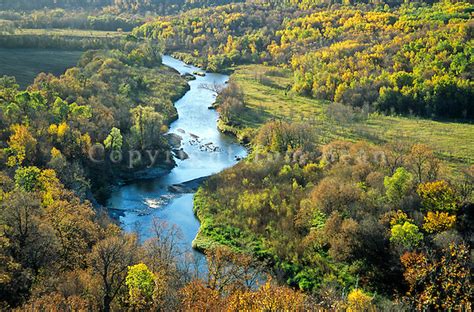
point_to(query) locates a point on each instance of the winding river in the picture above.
(209, 152)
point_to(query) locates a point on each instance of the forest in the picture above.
(356, 193)
(161, 7)
(414, 59)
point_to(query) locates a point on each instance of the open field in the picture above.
(61, 39)
(26, 64)
(266, 98)
(68, 33)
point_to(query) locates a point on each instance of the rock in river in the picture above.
(199, 73)
(188, 76)
(174, 140)
(180, 154)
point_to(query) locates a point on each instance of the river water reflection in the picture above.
(209, 152)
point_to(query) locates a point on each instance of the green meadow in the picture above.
(83, 33)
(26, 64)
(267, 98)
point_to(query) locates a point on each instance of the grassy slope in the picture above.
(267, 100)
(454, 142)
(83, 33)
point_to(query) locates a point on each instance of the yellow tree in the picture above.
(141, 286)
(21, 145)
(359, 301)
(438, 196)
(438, 221)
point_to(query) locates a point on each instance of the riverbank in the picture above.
(169, 197)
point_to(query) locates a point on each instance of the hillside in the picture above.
(343, 129)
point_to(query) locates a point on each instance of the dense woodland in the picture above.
(154, 6)
(120, 99)
(346, 215)
(299, 224)
(106, 19)
(413, 59)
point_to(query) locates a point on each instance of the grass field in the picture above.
(69, 33)
(26, 64)
(267, 99)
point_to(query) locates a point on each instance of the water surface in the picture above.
(209, 152)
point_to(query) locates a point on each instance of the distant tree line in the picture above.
(408, 59)
(156, 6)
(59, 42)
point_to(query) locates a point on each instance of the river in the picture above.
(142, 201)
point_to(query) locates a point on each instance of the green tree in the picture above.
(60, 109)
(27, 178)
(398, 184)
(141, 285)
(408, 235)
(147, 126)
(114, 140)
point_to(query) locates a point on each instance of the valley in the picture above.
(228, 155)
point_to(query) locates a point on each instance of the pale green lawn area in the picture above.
(69, 33)
(452, 141)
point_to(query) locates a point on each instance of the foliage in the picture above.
(27, 178)
(268, 298)
(109, 261)
(439, 283)
(231, 285)
(231, 104)
(446, 143)
(409, 59)
(59, 119)
(141, 284)
(222, 36)
(114, 140)
(406, 234)
(147, 127)
(280, 137)
(424, 163)
(357, 301)
(438, 221)
(438, 196)
(64, 39)
(309, 213)
(398, 184)
(399, 218)
(22, 146)
(311, 210)
(159, 6)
